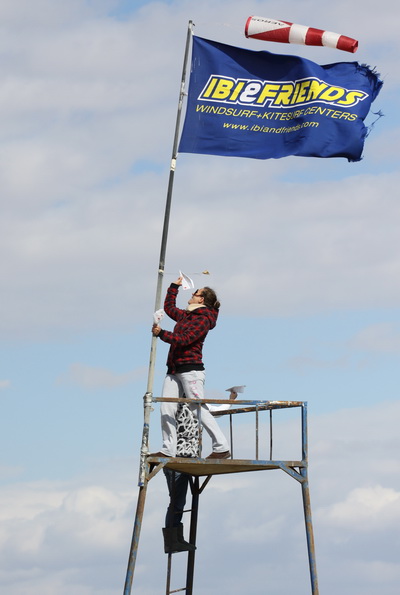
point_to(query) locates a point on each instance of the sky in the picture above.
(303, 253)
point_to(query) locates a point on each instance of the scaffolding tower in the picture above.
(199, 468)
(201, 471)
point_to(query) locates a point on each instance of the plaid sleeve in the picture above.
(170, 303)
(197, 330)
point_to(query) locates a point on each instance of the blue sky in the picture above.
(305, 257)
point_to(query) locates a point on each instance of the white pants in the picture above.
(191, 385)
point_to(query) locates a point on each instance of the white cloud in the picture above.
(92, 377)
(88, 105)
(304, 362)
(378, 338)
(82, 107)
(45, 12)
(53, 531)
(366, 509)
(52, 534)
(8, 473)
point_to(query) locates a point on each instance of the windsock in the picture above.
(285, 32)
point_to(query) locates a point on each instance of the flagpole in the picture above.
(161, 267)
(150, 380)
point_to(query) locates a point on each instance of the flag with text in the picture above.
(256, 104)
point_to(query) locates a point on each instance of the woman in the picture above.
(185, 368)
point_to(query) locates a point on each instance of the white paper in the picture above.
(158, 316)
(236, 389)
(187, 282)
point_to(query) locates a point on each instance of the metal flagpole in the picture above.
(150, 380)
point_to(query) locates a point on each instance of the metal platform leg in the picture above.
(307, 504)
(194, 486)
(196, 491)
(310, 536)
(135, 538)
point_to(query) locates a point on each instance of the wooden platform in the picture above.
(204, 467)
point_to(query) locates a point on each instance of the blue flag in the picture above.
(244, 103)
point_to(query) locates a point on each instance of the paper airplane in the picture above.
(187, 282)
(236, 389)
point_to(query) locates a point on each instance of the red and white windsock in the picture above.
(285, 32)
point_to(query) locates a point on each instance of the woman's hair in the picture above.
(210, 298)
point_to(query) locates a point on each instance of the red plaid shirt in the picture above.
(188, 335)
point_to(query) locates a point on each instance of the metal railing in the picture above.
(246, 406)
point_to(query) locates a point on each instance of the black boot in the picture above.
(174, 541)
(190, 547)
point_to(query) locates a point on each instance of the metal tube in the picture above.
(309, 532)
(150, 379)
(167, 212)
(257, 433)
(195, 487)
(164, 238)
(147, 409)
(200, 430)
(171, 513)
(163, 250)
(304, 432)
(135, 539)
(231, 433)
(260, 404)
(169, 569)
(270, 435)
(307, 502)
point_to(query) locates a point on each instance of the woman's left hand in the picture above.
(155, 329)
